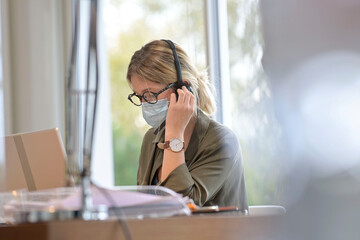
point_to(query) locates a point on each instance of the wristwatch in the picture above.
(175, 145)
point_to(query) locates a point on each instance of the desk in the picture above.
(209, 226)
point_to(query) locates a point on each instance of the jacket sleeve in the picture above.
(217, 155)
(143, 173)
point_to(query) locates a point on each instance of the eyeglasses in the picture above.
(148, 96)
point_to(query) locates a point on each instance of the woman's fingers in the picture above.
(180, 111)
(181, 94)
(185, 95)
(192, 100)
(172, 98)
(184, 104)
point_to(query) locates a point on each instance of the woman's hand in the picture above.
(179, 113)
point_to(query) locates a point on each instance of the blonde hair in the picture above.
(155, 62)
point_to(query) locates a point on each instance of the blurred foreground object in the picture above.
(312, 59)
(127, 202)
(82, 90)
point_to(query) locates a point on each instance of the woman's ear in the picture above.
(185, 81)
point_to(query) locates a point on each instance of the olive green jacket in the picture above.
(213, 172)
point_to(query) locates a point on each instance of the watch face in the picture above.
(176, 145)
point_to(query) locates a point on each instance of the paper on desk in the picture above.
(121, 198)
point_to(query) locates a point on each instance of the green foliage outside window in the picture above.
(184, 23)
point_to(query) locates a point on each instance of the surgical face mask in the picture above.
(155, 114)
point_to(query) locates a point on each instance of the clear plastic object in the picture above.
(18, 201)
(126, 202)
(137, 202)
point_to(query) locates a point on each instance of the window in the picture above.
(130, 24)
(252, 114)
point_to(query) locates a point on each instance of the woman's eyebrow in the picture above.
(142, 92)
(150, 90)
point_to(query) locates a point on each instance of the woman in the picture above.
(185, 150)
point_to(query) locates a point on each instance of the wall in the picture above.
(35, 91)
(37, 44)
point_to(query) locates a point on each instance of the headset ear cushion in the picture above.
(189, 88)
(178, 85)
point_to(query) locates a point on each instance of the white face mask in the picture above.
(155, 114)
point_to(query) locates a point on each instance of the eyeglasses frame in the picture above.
(155, 94)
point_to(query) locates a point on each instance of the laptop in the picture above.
(34, 161)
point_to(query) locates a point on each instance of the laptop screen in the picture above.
(34, 160)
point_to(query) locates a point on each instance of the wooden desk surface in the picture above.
(210, 226)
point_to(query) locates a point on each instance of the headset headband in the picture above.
(176, 61)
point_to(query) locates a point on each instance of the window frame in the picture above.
(218, 57)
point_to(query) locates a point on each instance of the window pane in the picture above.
(130, 24)
(252, 114)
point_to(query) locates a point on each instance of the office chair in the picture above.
(260, 210)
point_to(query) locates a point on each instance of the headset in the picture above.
(180, 82)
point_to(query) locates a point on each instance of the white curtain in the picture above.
(39, 38)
